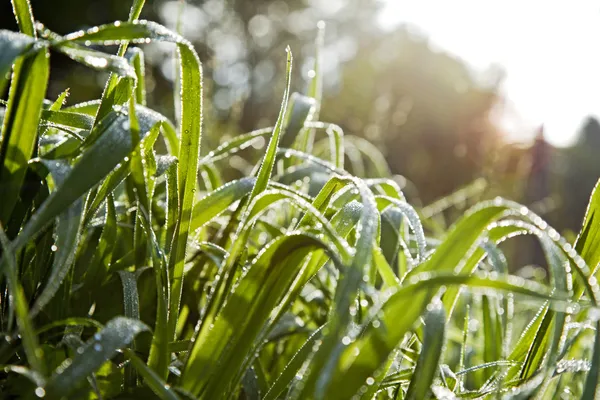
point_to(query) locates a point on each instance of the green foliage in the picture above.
(129, 269)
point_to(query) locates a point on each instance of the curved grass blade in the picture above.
(93, 58)
(327, 357)
(236, 144)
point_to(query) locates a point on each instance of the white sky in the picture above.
(549, 49)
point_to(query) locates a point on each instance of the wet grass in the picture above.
(128, 273)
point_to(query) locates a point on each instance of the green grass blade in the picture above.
(131, 308)
(190, 129)
(266, 167)
(67, 236)
(106, 187)
(136, 59)
(431, 352)
(154, 382)
(219, 200)
(588, 241)
(68, 119)
(24, 16)
(106, 102)
(592, 382)
(19, 131)
(97, 269)
(234, 145)
(291, 370)
(8, 263)
(327, 357)
(95, 59)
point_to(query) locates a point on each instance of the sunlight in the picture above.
(550, 52)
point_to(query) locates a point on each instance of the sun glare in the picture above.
(550, 52)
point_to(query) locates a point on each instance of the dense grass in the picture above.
(129, 272)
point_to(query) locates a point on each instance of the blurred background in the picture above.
(487, 98)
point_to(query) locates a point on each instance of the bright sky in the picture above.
(550, 50)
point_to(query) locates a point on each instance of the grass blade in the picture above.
(19, 131)
(8, 264)
(24, 16)
(431, 352)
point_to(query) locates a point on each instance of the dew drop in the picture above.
(40, 392)
(98, 347)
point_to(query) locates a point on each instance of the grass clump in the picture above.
(129, 272)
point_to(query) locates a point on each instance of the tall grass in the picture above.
(122, 277)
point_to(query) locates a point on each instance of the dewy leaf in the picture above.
(20, 127)
(103, 346)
